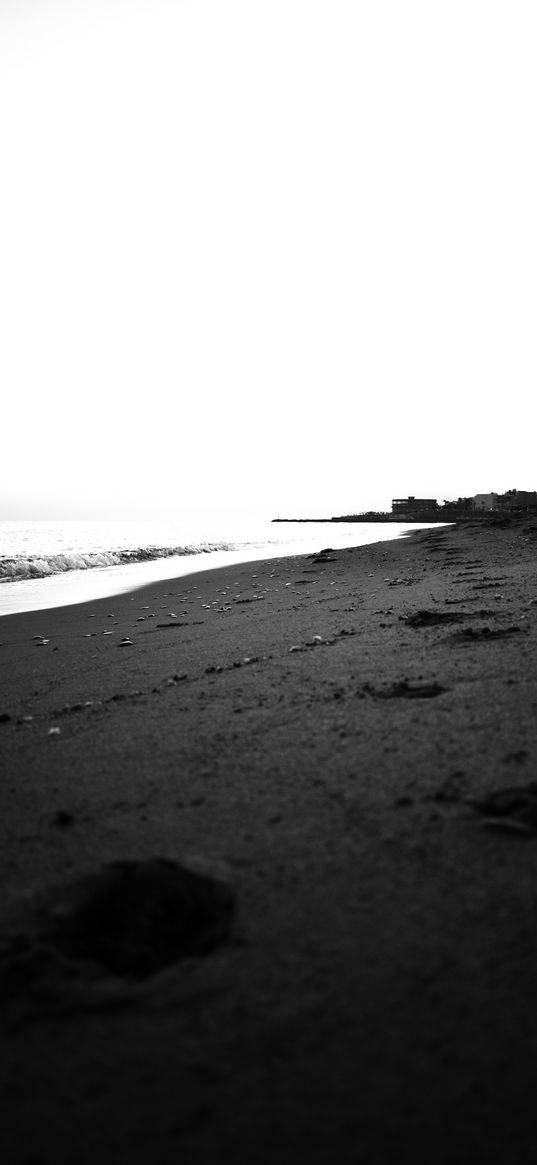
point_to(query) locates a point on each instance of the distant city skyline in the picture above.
(265, 258)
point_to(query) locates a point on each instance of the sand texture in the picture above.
(330, 762)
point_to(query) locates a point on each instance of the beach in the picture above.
(347, 742)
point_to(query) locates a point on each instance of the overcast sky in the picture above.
(270, 255)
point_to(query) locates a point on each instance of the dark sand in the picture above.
(376, 999)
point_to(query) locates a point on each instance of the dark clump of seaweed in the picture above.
(427, 618)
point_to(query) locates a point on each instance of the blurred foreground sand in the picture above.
(304, 733)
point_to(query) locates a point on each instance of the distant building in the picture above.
(519, 501)
(515, 501)
(412, 507)
(485, 501)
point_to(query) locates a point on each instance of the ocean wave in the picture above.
(30, 566)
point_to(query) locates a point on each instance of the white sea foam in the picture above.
(42, 566)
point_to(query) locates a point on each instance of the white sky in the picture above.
(278, 256)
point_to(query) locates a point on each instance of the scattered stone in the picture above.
(55, 731)
(125, 643)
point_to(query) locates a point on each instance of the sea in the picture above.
(47, 564)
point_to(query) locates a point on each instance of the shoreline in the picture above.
(62, 588)
(306, 731)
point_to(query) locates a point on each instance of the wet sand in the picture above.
(327, 736)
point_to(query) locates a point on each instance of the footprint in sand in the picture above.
(90, 941)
